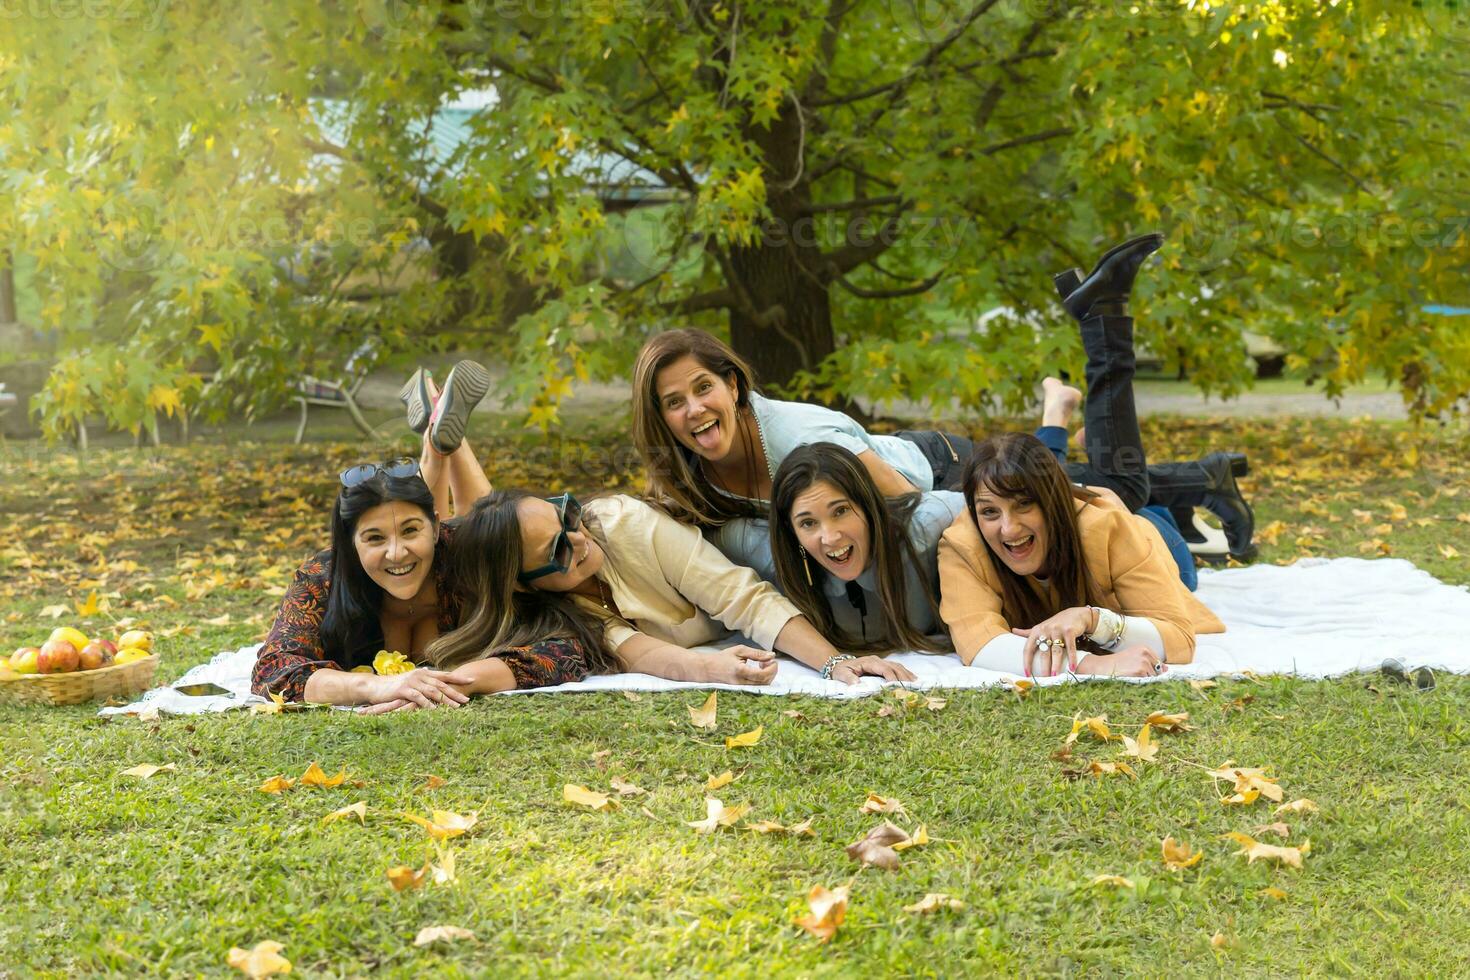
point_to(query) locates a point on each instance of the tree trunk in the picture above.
(7, 289)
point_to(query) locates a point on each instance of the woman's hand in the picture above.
(849, 671)
(1137, 661)
(1061, 633)
(743, 665)
(421, 688)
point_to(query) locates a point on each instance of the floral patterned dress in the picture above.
(294, 649)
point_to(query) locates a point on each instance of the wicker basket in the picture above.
(78, 685)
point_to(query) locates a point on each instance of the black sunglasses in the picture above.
(403, 466)
(570, 514)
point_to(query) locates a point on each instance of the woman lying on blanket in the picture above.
(384, 584)
(626, 574)
(712, 443)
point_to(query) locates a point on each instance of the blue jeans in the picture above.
(1054, 437)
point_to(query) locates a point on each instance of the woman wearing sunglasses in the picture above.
(628, 581)
(384, 585)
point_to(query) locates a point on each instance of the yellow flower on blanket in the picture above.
(391, 663)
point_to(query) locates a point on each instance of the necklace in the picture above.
(601, 593)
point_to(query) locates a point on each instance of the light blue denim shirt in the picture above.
(747, 541)
(786, 425)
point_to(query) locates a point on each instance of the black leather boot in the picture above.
(1209, 483)
(1105, 290)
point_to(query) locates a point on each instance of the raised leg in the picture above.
(467, 479)
(1115, 456)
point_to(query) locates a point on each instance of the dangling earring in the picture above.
(806, 566)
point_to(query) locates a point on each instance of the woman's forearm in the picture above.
(329, 686)
(800, 640)
(490, 676)
(642, 654)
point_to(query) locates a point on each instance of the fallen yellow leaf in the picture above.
(718, 815)
(1021, 687)
(715, 782)
(1165, 722)
(1448, 551)
(704, 716)
(88, 608)
(625, 788)
(1218, 941)
(1114, 881)
(1203, 685)
(1279, 829)
(934, 902)
(1247, 779)
(147, 770)
(404, 878)
(1296, 806)
(746, 739)
(443, 872)
(1179, 855)
(920, 837)
(1143, 748)
(276, 784)
(828, 909)
(1254, 849)
(1242, 799)
(881, 804)
(803, 829)
(1273, 893)
(445, 824)
(582, 796)
(441, 934)
(314, 776)
(263, 960)
(431, 782)
(1101, 769)
(358, 810)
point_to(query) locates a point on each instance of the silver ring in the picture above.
(1158, 667)
(1044, 644)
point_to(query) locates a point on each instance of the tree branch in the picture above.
(424, 201)
(714, 299)
(858, 205)
(901, 291)
(843, 260)
(1041, 137)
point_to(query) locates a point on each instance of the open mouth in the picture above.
(841, 556)
(707, 434)
(1020, 548)
(399, 571)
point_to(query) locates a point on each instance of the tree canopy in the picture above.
(870, 195)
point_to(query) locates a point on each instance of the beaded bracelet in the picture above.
(1109, 622)
(832, 662)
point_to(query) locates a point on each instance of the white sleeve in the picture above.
(1140, 631)
(1002, 653)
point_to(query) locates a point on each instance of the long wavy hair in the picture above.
(890, 546)
(485, 560)
(676, 481)
(1017, 466)
(351, 628)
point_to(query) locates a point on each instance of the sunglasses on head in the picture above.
(569, 512)
(403, 466)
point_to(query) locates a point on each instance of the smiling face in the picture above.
(540, 526)
(699, 407)
(832, 529)
(1014, 528)
(395, 543)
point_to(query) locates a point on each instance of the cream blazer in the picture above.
(1125, 555)
(672, 584)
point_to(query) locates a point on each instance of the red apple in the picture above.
(96, 654)
(57, 657)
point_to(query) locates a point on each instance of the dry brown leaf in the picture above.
(877, 848)
(718, 815)
(1279, 829)
(793, 714)
(887, 711)
(632, 695)
(704, 716)
(314, 776)
(276, 784)
(1100, 769)
(1166, 722)
(404, 878)
(431, 781)
(1295, 806)
(803, 829)
(1144, 749)
(1113, 881)
(936, 704)
(1254, 849)
(441, 934)
(148, 771)
(358, 810)
(599, 759)
(746, 739)
(1179, 855)
(625, 788)
(264, 959)
(716, 782)
(445, 824)
(881, 804)
(828, 909)
(582, 796)
(934, 902)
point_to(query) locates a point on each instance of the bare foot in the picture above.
(1058, 402)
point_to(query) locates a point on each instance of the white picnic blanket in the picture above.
(1315, 618)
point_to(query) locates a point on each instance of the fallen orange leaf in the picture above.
(1101, 769)
(1165, 722)
(276, 784)
(1179, 855)
(828, 909)
(404, 878)
(263, 960)
(314, 776)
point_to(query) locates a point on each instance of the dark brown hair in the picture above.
(889, 546)
(1016, 466)
(676, 481)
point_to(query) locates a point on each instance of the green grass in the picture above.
(101, 873)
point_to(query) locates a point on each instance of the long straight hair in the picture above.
(1017, 466)
(351, 628)
(889, 546)
(485, 560)
(676, 481)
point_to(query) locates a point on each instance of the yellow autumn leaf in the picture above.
(443, 872)
(1021, 687)
(1272, 892)
(717, 815)
(746, 739)
(1245, 798)
(386, 663)
(828, 909)
(444, 825)
(934, 902)
(919, 838)
(624, 788)
(1254, 850)
(148, 771)
(1247, 779)
(441, 934)
(582, 796)
(704, 716)
(803, 829)
(1179, 855)
(881, 804)
(1112, 881)
(1296, 806)
(716, 782)
(1101, 769)
(358, 810)
(1165, 722)
(1203, 685)
(314, 776)
(1448, 551)
(88, 608)
(276, 784)
(1144, 749)
(264, 959)
(431, 781)
(404, 878)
